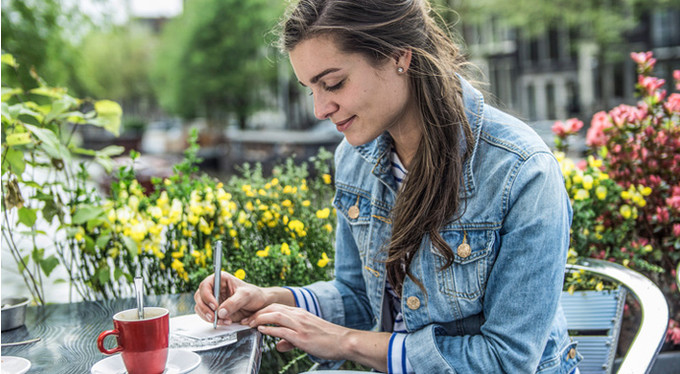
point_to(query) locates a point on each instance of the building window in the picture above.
(531, 101)
(550, 100)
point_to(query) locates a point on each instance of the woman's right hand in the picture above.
(238, 299)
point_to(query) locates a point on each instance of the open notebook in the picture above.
(192, 333)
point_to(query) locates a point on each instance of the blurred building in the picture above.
(557, 75)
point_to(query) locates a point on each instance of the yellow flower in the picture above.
(323, 261)
(240, 274)
(645, 191)
(625, 195)
(262, 192)
(571, 289)
(263, 252)
(328, 227)
(275, 181)
(79, 237)
(625, 211)
(285, 249)
(594, 163)
(323, 213)
(578, 178)
(626, 262)
(233, 233)
(326, 178)
(588, 182)
(581, 195)
(306, 203)
(648, 248)
(599, 286)
(601, 192)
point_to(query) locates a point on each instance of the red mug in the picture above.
(143, 343)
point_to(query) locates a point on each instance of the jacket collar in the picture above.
(377, 152)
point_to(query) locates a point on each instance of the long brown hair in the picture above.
(379, 30)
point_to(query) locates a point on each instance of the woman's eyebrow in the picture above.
(320, 75)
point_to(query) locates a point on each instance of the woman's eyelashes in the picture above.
(330, 88)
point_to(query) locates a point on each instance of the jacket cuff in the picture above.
(424, 353)
(330, 302)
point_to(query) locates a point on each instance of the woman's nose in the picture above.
(323, 106)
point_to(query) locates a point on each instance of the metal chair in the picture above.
(595, 321)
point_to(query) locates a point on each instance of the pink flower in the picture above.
(582, 164)
(673, 202)
(673, 332)
(623, 114)
(641, 58)
(650, 84)
(672, 105)
(570, 127)
(595, 137)
(676, 230)
(676, 77)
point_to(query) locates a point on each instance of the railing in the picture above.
(654, 310)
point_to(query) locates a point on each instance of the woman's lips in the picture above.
(344, 125)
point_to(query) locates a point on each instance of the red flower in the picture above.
(650, 84)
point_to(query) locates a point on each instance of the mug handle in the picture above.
(100, 342)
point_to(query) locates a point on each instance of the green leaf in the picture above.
(108, 115)
(89, 245)
(18, 138)
(103, 241)
(112, 150)
(48, 264)
(51, 144)
(8, 59)
(58, 107)
(15, 158)
(37, 255)
(106, 163)
(50, 210)
(53, 92)
(7, 93)
(60, 281)
(130, 245)
(103, 274)
(27, 216)
(117, 274)
(85, 213)
(25, 260)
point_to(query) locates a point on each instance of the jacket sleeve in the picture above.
(343, 301)
(520, 301)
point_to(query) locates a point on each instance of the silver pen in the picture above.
(217, 262)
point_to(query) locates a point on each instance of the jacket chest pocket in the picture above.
(356, 209)
(466, 278)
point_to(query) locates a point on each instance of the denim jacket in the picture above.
(497, 308)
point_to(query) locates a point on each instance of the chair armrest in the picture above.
(654, 309)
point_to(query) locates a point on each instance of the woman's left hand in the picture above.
(298, 328)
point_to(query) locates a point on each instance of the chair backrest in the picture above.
(594, 319)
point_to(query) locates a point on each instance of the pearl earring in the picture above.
(400, 70)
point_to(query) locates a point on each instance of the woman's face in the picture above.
(361, 99)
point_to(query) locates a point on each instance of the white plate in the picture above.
(179, 361)
(14, 365)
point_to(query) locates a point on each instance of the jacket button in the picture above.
(571, 354)
(413, 302)
(353, 212)
(464, 250)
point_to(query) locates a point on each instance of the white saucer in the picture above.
(179, 361)
(14, 365)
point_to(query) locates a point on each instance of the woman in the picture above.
(453, 221)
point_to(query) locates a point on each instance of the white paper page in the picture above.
(193, 326)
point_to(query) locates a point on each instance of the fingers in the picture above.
(284, 346)
(275, 314)
(205, 301)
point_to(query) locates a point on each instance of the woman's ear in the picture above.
(403, 59)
